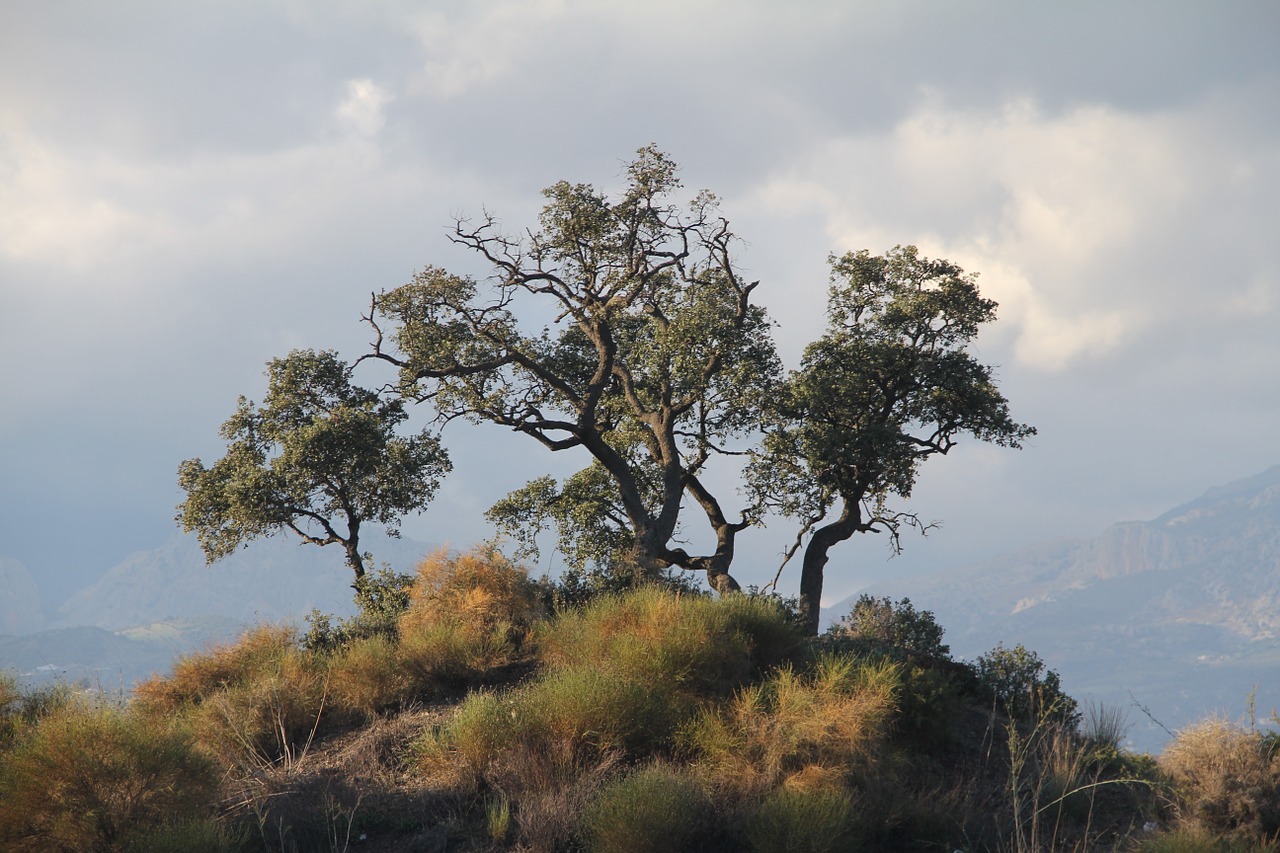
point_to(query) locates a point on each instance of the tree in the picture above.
(889, 385)
(651, 358)
(319, 458)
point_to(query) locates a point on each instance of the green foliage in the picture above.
(319, 458)
(656, 361)
(704, 646)
(879, 626)
(802, 821)
(91, 778)
(1024, 688)
(382, 597)
(654, 809)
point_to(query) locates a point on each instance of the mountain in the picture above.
(273, 579)
(20, 610)
(1179, 615)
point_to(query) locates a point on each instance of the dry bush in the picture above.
(1227, 779)
(95, 778)
(467, 614)
(705, 646)
(809, 821)
(266, 719)
(367, 676)
(580, 714)
(804, 733)
(198, 676)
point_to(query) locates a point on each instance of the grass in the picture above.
(648, 720)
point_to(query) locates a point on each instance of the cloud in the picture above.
(363, 108)
(1067, 216)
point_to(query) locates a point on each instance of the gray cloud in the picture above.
(189, 190)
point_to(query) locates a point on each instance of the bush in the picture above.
(1226, 778)
(1020, 684)
(90, 778)
(199, 676)
(381, 598)
(801, 732)
(651, 810)
(877, 625)
(701, 646)
(367, 676)
(467, 615)
(802, 821)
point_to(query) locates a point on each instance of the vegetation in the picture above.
(649, 719)
(619, 708)
(318, 458)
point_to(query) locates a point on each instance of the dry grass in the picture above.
(801, 733)
(197, 677)
(1227, 779)
(468, 614)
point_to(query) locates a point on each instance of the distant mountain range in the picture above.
(1180, 614)
(155, 605)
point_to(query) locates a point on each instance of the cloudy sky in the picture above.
(188, 190)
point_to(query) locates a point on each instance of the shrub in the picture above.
(801, 732)
(264, 719)
(199, 676)
(467, 614)
(90, 778)
(878, 625)
(1021, 685)
(802, 821)
(381, 598)
(1227, 779)
(651, 810)
(367, 676)
(703, 646)
(577, 714)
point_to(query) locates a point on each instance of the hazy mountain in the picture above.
(273, 579)
(20, 611)
(1182, 611)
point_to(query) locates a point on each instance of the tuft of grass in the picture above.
(702, 646)
(802, 821)
(804, 732)
(199, 676)
(92, 778)
(654, 809)
(367, 676)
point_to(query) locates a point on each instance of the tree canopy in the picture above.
(319, 458)
(887, 386)
(652, 358)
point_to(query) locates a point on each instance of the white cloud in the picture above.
(1067, 217)
(363, 109)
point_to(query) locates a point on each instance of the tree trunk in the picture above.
(815, 561)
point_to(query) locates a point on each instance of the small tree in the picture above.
(319, 458)
(889, 385)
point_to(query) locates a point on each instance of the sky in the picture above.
(189, 190)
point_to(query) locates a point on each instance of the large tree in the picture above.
(890, 384)
(620, 326)
(319, 458)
